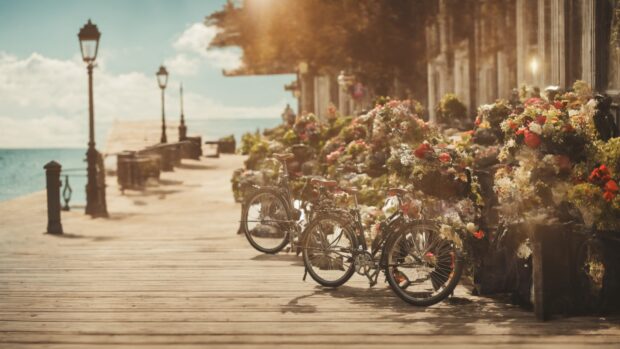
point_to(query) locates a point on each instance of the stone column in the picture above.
(522, 41)
(307, 93)
(558, 44)
(430, 72)
(588, 41)
(541, 79)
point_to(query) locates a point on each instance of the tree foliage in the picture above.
(377, 40)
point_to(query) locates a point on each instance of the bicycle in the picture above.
(421, 266)
(271, 217)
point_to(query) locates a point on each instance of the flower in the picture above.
(479, 234)
(333, 156)
(536, 128)
(611, 185)
(599, 175)
(445, 157)
(611, 189)
(532, 140)
(423, 150)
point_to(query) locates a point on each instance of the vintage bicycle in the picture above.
(420, 264)
(272, 218)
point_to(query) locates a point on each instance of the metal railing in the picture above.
(67, 190)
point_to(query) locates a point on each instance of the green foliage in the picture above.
(248, 140)
(450, 109)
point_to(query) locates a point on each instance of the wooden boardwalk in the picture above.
(168, 270)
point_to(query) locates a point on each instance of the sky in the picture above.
(43, 81)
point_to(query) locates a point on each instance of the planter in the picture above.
(598, 273)
(227, 145)
(554, 277)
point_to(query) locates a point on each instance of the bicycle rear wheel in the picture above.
(266, 221)
(327, 248)
(422, 267)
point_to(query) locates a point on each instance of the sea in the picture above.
(21, 170)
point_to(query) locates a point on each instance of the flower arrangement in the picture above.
(596, 192)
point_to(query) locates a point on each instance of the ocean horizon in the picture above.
(22, 173)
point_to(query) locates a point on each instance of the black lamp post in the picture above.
(162, 80)
(95, 192)
(182, 127)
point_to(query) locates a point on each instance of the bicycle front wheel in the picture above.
(266, 220)
(327, 248)
(422, 267)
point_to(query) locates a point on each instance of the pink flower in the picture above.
(445, 157)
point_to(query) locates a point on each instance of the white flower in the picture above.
(536, 128)
(471, 227)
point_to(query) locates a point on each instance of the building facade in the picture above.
(482, 49)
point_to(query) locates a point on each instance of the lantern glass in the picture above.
(89, 50)
(162, 77)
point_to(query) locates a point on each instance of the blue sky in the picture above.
(41, 83)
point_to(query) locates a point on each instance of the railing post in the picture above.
(52, 173)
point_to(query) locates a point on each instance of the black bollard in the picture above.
(52, 173)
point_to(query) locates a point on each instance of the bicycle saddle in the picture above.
(397, 192)
(320, 182)
(283, 156)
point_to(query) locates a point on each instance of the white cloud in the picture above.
(183, 65)
(43, 101)
(195, 40)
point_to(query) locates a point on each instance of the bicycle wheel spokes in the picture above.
(267, 221)
(422, 265)
(328, 253)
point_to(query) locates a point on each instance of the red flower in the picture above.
(532, 140)
(608, 196)
(541, 119)
(611, 186)
(611, 190)
(423, 150)
(512, 125)
(599, 174)
(558, 105)
(520, 131)
(445, 157)
(478, 121)
(479, 234)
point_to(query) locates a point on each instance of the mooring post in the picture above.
(52, 173)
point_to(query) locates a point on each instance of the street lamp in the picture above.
(95, 189)
(182, 127)
(162, 80)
